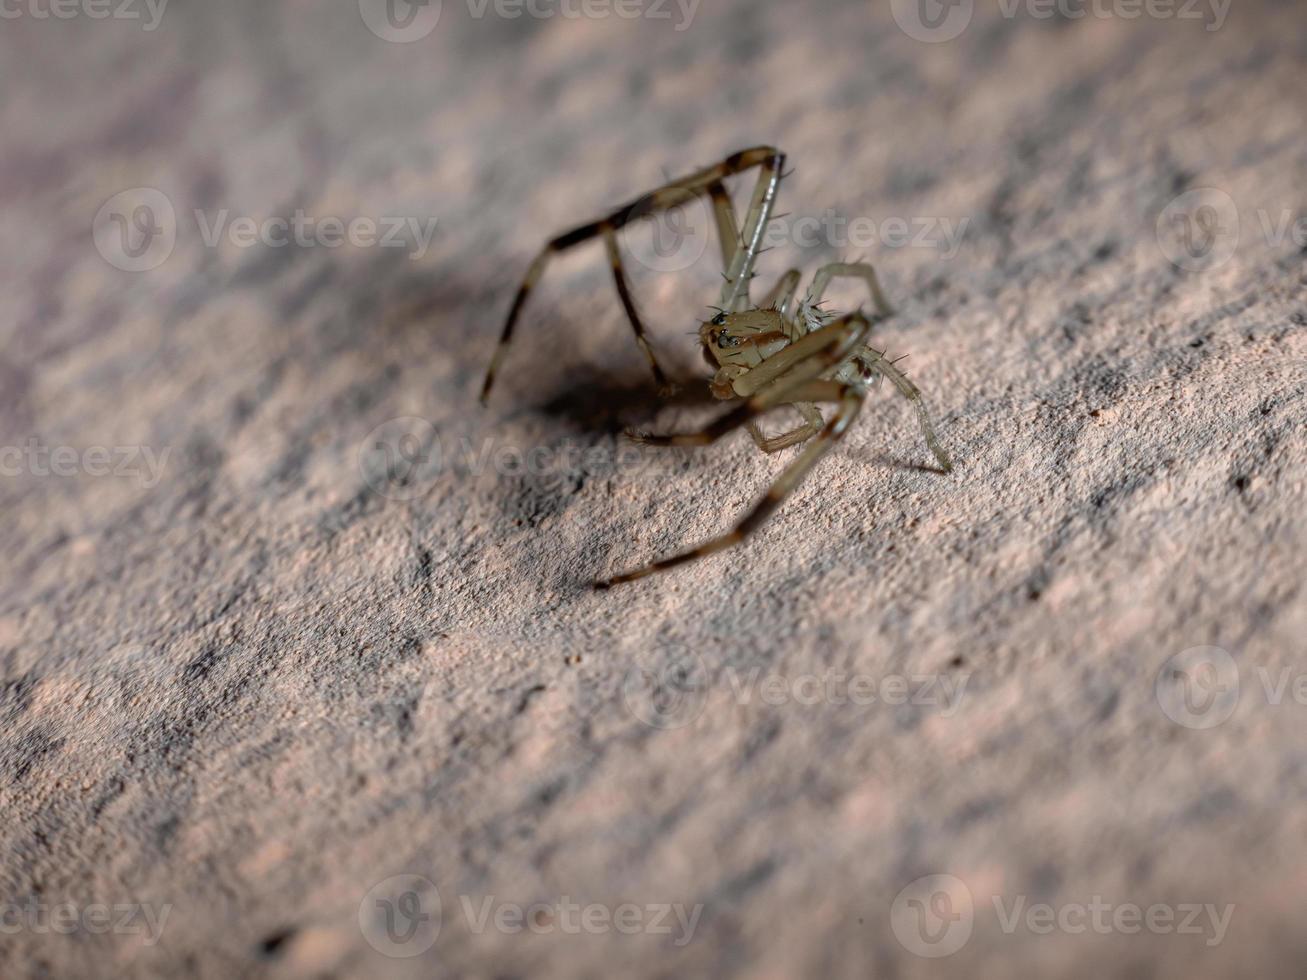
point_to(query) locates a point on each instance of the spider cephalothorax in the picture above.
(735, 342)
(778, 352)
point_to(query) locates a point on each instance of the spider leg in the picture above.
(808, 357)
(850, 399)
(811, 426)
(875, 359)
(913, 394)
(850, 270)
(745, 414)
(728, 229)
(735, 292)
(782, 294)
(628, 304)
(744, 245)
(533, 273)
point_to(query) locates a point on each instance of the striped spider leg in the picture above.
(740, 246)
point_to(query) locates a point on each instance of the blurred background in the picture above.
(300, 671)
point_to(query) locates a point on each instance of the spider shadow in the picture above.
(599, 402)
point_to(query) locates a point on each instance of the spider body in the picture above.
(733, 343)
(780, 351)
(736, 343)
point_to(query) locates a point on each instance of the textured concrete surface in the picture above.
(245, 686)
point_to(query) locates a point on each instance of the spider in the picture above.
(779, 352)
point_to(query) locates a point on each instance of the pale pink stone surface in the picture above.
(257, 687)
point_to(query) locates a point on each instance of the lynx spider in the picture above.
(780, 352)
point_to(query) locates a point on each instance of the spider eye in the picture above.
(719, 320)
